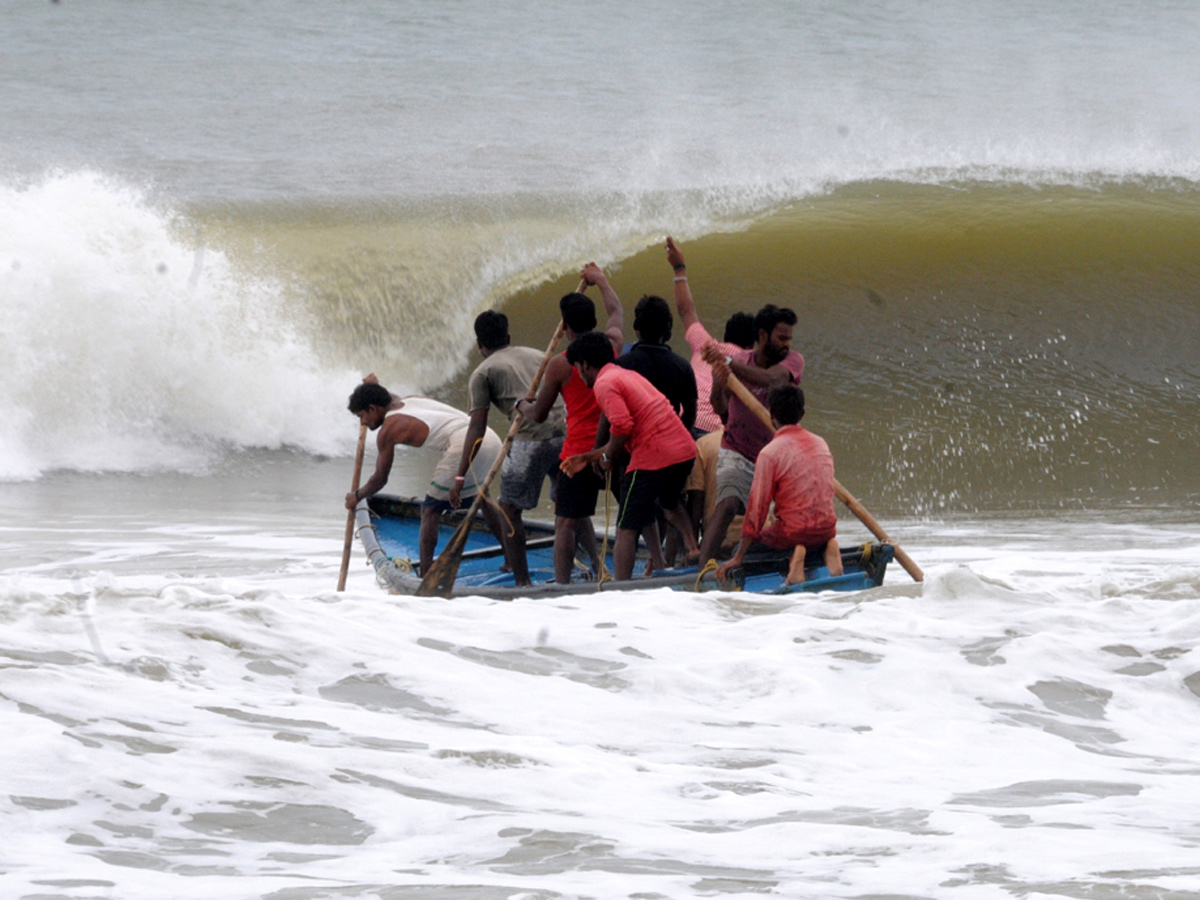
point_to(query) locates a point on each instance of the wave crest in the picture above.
(128, 346)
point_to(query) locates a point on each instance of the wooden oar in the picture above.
(358, 461)
(439, 580)
(860, 512)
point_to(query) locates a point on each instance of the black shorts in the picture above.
(641, 488)
(576, 496)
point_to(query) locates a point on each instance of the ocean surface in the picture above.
(215, 218)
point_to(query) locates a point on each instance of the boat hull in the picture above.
(388, 526)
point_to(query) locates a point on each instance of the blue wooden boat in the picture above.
(388, 525)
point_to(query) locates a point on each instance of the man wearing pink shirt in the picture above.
(739, 335)
(643, 423)
(795, 472)
(701, 489)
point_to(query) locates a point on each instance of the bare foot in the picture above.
(795, 573)
(833, 558)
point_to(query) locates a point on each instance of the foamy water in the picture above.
(1021, 723)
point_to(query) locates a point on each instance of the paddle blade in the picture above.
(439, 580)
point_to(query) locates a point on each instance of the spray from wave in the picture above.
(128, 347)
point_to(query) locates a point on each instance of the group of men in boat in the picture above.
(675, 440)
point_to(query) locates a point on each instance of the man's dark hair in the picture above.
(740, 330)
(770, 316)
(592, 348)
(787, 404)
(367, 395)
(578, 312)
(491, 329)
(652, 320)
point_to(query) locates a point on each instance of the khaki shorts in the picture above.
(735, 475)
(704, 472)
(447, 467)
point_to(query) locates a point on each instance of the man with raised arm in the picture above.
(739, 335)
(795, 472)
(435, 428)
(575, 498)
(501, 380)
(772, 363)
(701, 488)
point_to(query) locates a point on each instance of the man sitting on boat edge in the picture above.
(795, 472)
(434, 427)
(772, 363)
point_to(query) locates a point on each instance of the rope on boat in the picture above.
(711, 566)
(403, 565)
(604, 575)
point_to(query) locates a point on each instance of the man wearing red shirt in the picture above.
(575, 500)
(643, 423)
(795, 472)
(772, 363)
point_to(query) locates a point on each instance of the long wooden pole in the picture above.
(358, 463)
(754, 405)
(439, 580)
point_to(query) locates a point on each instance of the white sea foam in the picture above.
(1019, 723)
(129, 347)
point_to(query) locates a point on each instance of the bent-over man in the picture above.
(435, 428)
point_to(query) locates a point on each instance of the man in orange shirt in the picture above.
(795, 471)
(661, 450)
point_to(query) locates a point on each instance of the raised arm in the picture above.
(614, 330)
(684, 304)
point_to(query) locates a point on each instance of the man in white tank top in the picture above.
(434, 427)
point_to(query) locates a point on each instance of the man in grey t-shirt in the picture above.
(501, 380)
